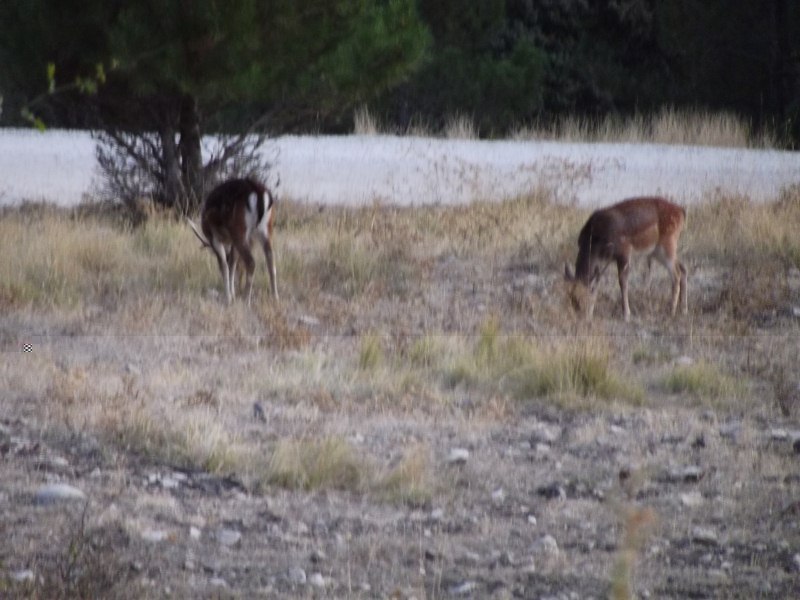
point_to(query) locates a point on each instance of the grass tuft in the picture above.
(310, 464)
(410, 481)
(701, 380)
(370, 355)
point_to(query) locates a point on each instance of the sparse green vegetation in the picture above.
(411, 480)
(530, 368)
(312, 464)
(702, 380)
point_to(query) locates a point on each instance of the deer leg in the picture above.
(684, 293)
(677, 273)
(250, 265)
(273, 277)
(219, 251)
(232, 271)
(623, 268)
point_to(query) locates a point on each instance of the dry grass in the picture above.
(410, 481)
(571, 371)
(688, 127)
(702, 381)
(364, 122)
(460, 127)
(414, 307)
(667, 126)
(401, 333)
(316, 463)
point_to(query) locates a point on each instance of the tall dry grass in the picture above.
(688, 127)
(667, 126)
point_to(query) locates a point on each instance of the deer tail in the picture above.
(198, 233)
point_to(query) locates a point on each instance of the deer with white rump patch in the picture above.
(614, 233)
(234, 213)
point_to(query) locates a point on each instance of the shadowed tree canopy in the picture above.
(223, 66)
(181, 68)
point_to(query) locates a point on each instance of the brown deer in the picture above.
(642, 225)
(233, 214)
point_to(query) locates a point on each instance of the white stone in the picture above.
(22, 576)
(228, 537)
(545, 545)
(458, 456)
(463, 589)
(297, 576)
(57, 492)
(154, 535)
(692, 499)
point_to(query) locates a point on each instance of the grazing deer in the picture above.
(234, 213)
(650, 225)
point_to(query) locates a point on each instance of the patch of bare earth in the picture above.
(420, 416)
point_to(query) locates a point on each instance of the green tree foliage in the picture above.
(474, 68)
(181, 67)
(305, 63)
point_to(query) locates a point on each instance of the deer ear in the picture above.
(568, 273)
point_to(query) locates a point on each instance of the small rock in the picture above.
(507, 559)
(258, 412)
(23, 576)
(458, 456)
(169, 483)
(691, 499)
(528, 567)
(470, 558)
(154, 535)
(132, 369)
(705, 536)
(218, 582)
(308, 320)
(532, 520)
(730, 430)
(228, 537)
(552, 492)
(437, 514)
(498, 496)
(194, 533)
(57, 492)
(296, 576)
(690, 474)
(778, 435)
(545, 545)
(57, 464)
(464, 589)
(317, 580)
(684, 361)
